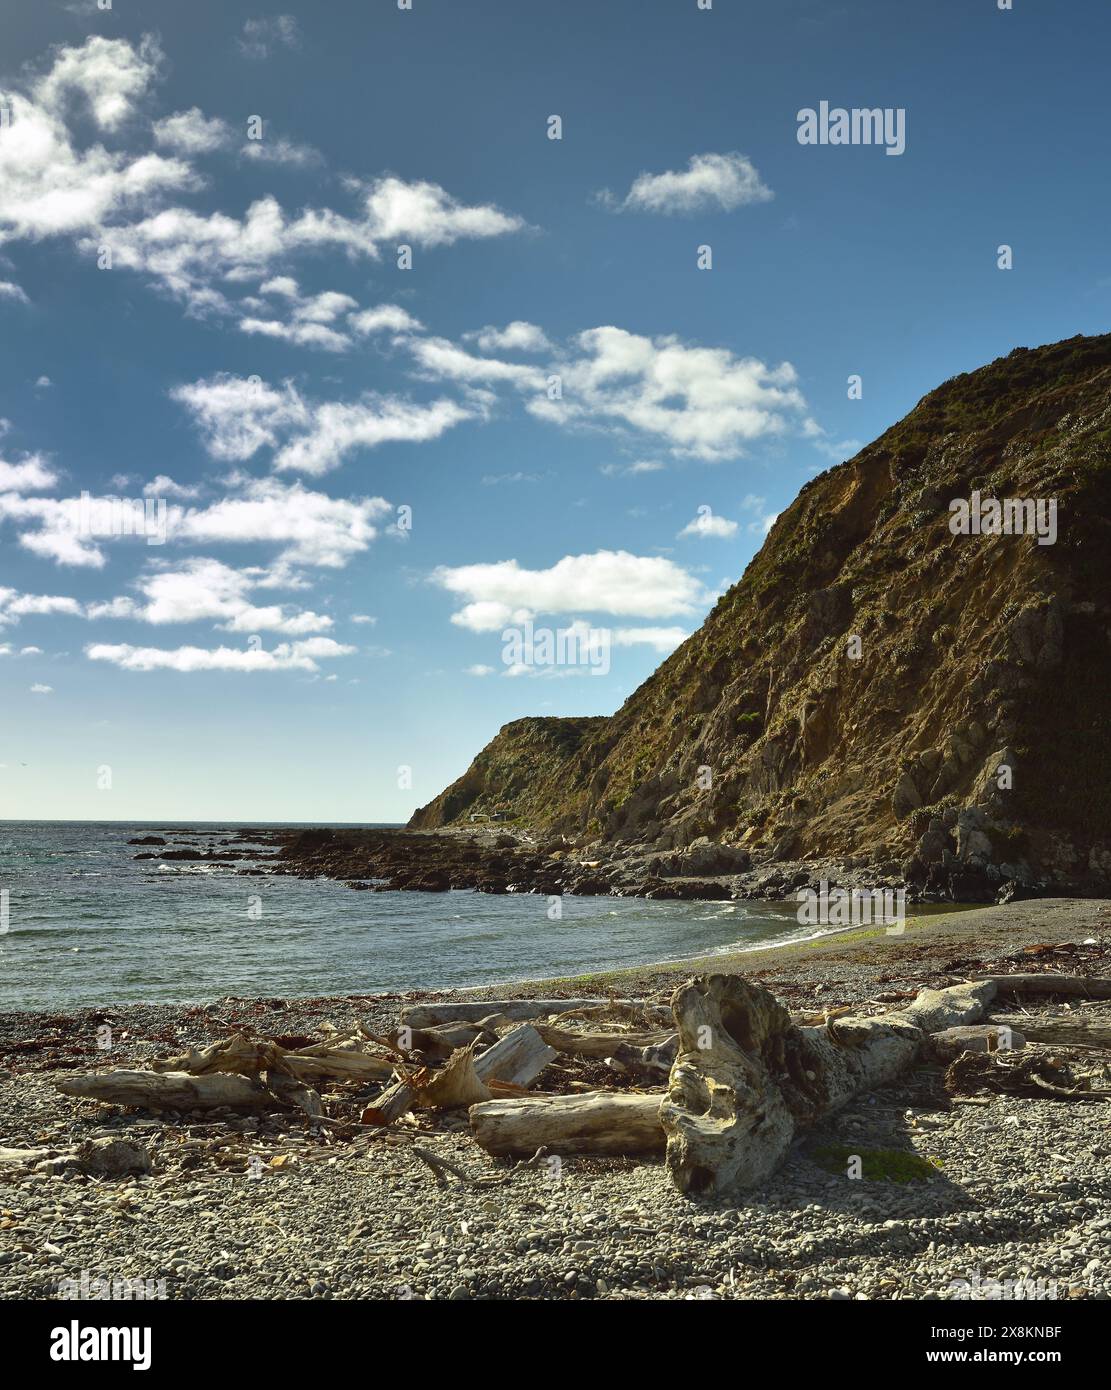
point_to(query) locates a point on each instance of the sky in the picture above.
(403, 331)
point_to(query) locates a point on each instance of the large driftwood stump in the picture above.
(746, 1079)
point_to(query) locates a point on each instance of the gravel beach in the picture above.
(269, 1208)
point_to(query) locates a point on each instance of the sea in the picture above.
(83, 923)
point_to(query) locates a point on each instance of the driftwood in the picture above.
(648, 1062)
(1084, 986)
(597, 1122)
(517, 1059)
(1035, 1075)
(103, 1157)
(975, 1037)
(442, 1041)
(1070, 1030)
(597, 1044)
(246, 1056)
(638, 1011)
(471, 1011)
(747, 1079)
(175, 1090)
(17, 1156)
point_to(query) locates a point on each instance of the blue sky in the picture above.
(255, 361)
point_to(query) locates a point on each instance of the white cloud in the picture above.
(709, 182)
(338, 429)
(662, 639)
(192, 132)
(702, 402)
(428, 215)
(517, 336)
(314, 529)
(286, 656)
(706, 525)
(206, 590)
(188, 253)
(30, 651)
(237, 417)
(385, 318)
(49, 187)
(107, 75)
(166, 487)
(14, 605)
(442, 359)
(631, 470)
(9, 290)
(261, 37)
(51, 184)
(317, 320)
(32, 475)
(310, 317)
(42, 689)
(363, 618)
(280, 150)
(605, 582)
(479, 670)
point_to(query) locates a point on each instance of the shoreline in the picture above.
(843, 958)
(333, 1219)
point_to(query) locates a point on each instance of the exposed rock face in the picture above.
(968, 728)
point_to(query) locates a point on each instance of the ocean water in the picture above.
(88, 924)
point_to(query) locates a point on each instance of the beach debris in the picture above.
(173, 1090)
(598, 1122)
(516, 1010)
(1086, 986)
(340, 1058)
(720, 1081)
(515, 1060)
(105, 1157)
(1032, 1074)
(976, 1037)
(576, 1044)
(746, 1079)
(1077, 1028)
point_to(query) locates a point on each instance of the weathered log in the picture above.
(746, 1079)
(596, 1044)
(596, 1122)
(472, 1011)
(976, 1037)
(442, 1041)
(173, 1090)
(1069, 1030)
(1084, 986)
(17, 1156)
(518, 1057)
(103, 1157)
(246, 1056)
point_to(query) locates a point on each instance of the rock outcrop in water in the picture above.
(877, 685)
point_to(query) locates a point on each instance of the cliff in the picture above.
(876, 685)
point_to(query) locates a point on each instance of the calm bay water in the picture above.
(88, 924)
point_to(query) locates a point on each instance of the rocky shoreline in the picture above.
(274, 1208)
(945, 868)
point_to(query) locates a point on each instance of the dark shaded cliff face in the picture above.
(859, 689)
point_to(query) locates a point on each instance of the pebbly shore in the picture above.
(970, 1194)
